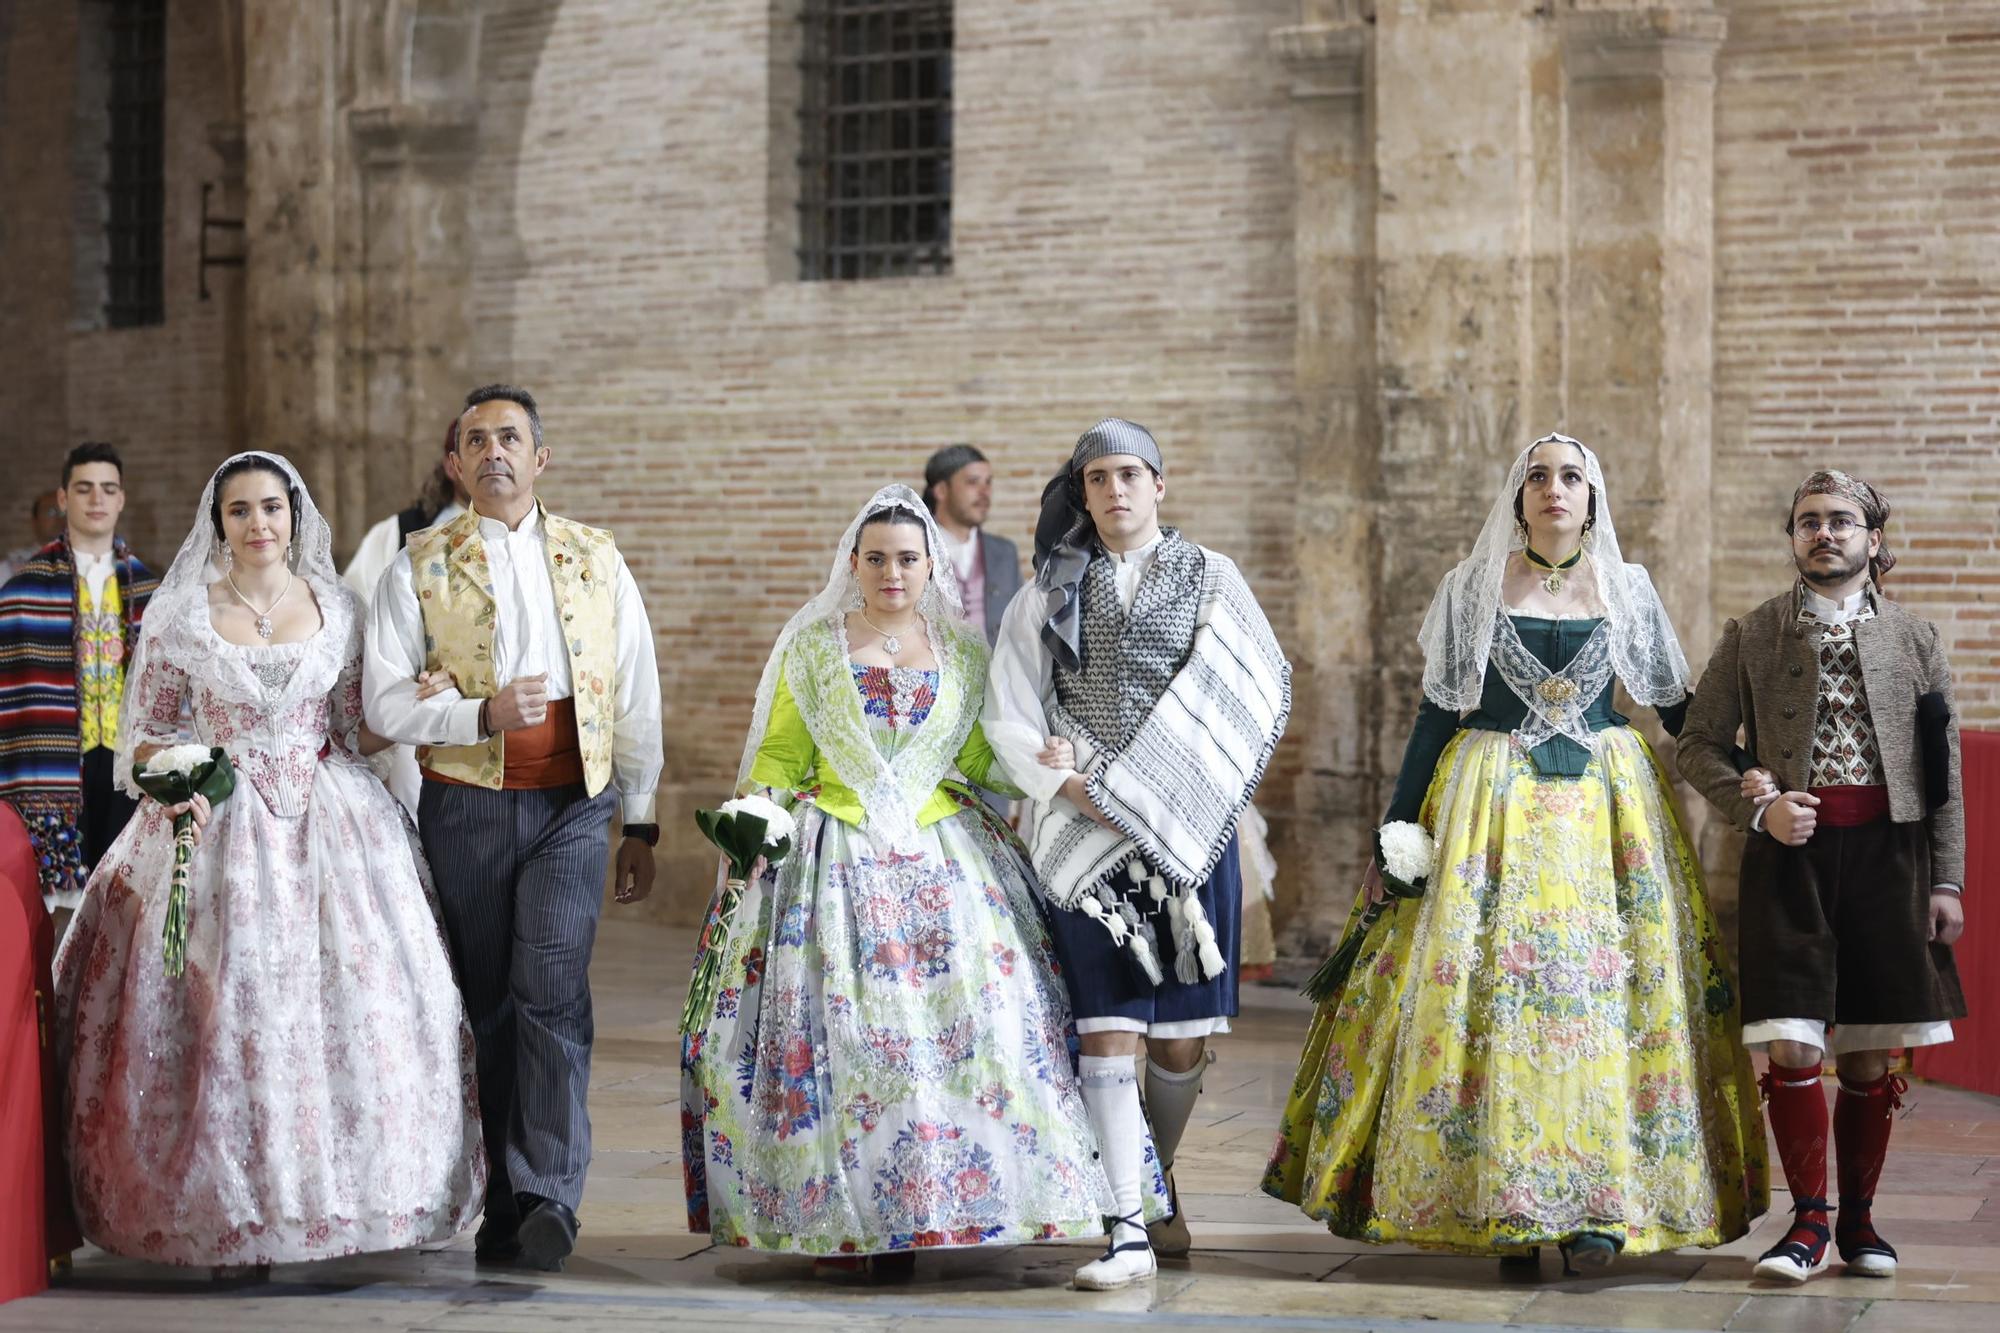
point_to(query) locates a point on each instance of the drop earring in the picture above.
(228, 557)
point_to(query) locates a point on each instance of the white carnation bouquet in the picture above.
(1404, 855)
(174, 776)
(744, 829)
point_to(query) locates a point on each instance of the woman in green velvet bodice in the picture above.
(1542, 1047)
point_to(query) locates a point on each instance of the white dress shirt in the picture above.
(397, 765)
(95, 570)
(1021, 680)
(962, 554)
(1829, 612)
(528, 640)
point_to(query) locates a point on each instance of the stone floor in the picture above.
(1257, 1261)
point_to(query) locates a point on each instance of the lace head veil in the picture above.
(183, 591)
(1457, 634)
(842, 594)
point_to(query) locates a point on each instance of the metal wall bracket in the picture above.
(209, 222)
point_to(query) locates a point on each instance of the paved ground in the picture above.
(1256, 1262)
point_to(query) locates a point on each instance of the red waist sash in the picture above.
(1846, 807)
(540, 756)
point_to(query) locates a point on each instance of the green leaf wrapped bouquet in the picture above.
(173, 775)
(743, 830)
(1404, 852)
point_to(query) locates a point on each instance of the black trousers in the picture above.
(106, 810)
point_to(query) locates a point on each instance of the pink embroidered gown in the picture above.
(306, 1088)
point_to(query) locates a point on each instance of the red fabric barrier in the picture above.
(1973, 1060)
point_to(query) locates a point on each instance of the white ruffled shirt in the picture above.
(527, 640)
(1020, 682)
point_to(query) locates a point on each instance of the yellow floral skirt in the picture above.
(1543, 1045)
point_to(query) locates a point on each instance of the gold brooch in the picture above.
(1558, 690)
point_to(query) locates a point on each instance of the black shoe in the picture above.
(497, 1240)
(547, 1234)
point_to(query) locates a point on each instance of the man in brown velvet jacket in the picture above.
(1856, 854)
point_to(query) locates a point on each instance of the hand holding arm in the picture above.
(393, 658)
(1077, 792)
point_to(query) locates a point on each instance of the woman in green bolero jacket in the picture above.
(886, 1066)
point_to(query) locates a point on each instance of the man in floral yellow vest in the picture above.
(553, 728)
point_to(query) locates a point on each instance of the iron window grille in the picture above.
(134, 190)
(875, 136)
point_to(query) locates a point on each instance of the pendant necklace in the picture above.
(892, 644)
(1557, 571)
(264, 616)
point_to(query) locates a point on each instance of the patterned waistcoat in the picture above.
(454, 587)
(1845, 752)
(100, 664)
(1129, 660)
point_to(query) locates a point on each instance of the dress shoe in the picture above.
(547, 1234)
(497, 1241)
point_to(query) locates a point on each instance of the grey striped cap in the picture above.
(1115, 435)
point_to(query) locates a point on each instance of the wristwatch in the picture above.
(646, 833)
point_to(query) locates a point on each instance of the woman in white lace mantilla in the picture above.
(305, 1088)
(1540, 1049)
(885, 1067)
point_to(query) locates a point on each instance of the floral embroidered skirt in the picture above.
(888, 1066)
(1544, 1044)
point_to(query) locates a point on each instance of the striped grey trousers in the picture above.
(520, 876)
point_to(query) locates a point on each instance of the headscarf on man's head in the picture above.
(945, 464)
(1874, 509)
(1065, 537)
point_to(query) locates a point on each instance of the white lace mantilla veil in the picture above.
(939, 606)
(183, 592)
(1457, 634)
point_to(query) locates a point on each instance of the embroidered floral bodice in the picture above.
(277, 709)
(895, 700)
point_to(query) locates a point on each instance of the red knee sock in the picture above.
(1863, 1115)
(1798, 1119)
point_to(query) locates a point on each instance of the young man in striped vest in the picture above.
(69, 618)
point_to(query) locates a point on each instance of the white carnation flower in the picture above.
(778, 823)
(182, 759)
(1407, 851)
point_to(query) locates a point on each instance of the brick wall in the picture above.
(1858, 305)
(1122, 245)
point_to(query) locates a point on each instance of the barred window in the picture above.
(875, 139)
(134, 193)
